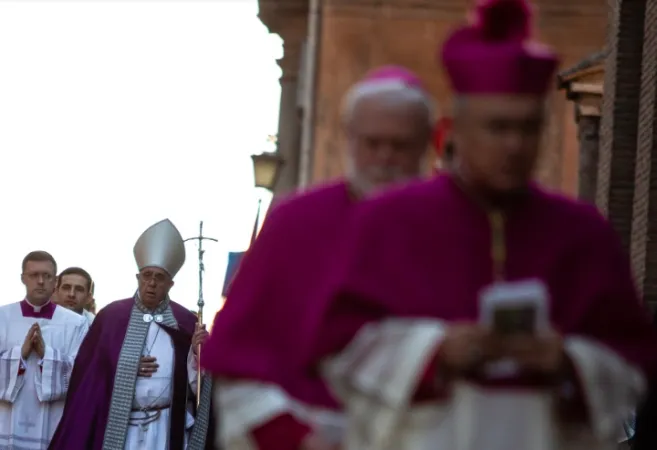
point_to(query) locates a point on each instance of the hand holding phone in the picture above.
(519, 319)
(514, 311)
(515, 308)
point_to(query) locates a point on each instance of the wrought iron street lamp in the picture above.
(266, 169)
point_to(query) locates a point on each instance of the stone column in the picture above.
(289, 120)
(589, 140)
(290, 21)
(620, 120)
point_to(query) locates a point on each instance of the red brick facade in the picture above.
(357, 35)
(353, 36)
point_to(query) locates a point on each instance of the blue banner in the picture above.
(234, 259)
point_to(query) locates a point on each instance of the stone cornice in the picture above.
(275, 13)
(290, 63)
(283, 16)
(583, 88)
(587, 96)
(398, 9)
(589, 110)
(451, 10)
(588, 105)
(585, 82)
(288, 19)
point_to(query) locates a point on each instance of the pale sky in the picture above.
(117, 114)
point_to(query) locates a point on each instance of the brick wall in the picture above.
(628, 170)
(621, 133)
(644, 219)
(360, 34)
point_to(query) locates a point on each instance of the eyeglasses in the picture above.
(158, 278)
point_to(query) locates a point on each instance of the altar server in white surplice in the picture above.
(89, 316)
(74, 291)
(135, 382)
(38, 344)
(90, 307)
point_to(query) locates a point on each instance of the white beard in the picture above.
(362, 182)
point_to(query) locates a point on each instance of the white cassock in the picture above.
(376, 376)
(150, 430)
(32, 392)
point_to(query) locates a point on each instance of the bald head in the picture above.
(388, 126)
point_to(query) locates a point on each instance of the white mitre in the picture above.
(162, 246)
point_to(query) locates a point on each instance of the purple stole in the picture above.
(102, 385)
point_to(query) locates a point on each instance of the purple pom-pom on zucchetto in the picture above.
(394, 73)
(494, 54)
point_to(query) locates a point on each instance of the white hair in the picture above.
(392, 92)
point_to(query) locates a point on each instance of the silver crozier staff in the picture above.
(199, 376)
(199, 324)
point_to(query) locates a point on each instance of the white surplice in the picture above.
(31, 403)
(376, 376)
(89, 316)
(156, 392)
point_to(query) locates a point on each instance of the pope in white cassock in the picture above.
(135, 380)
(38, 344)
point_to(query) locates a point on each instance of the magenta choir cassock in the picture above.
(259, 334)
(408, 270)
(355, 323)
(444, 241)
(108, 406)
(283, 268)
(258, 338)
(279, 273)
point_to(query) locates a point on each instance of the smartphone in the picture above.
(513, 308)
